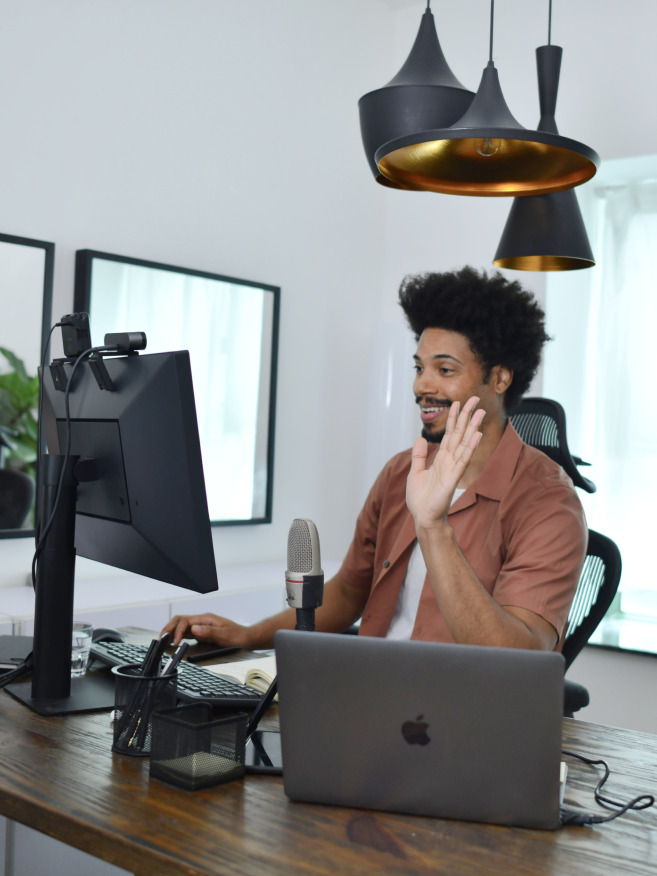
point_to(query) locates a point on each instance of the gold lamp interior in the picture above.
(487, 166)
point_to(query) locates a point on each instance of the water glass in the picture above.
(81, 646)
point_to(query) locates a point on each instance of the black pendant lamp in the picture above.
(424, 94)
(487, 152)
(547, 232)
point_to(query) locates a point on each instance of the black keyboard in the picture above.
(195, 683)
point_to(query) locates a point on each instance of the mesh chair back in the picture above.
(596, 590)
(541, 422)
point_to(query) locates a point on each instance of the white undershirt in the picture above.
(403, 621)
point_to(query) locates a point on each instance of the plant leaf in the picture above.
(16, 363)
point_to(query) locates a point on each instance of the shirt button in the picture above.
(386, 564)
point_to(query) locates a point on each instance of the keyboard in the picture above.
(195, 683)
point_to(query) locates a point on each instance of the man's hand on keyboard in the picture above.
(208, 628)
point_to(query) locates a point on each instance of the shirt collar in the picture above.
(494, 480)
(498, 471)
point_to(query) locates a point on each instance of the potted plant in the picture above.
(19, 399)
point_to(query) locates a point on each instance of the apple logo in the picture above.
(415, 732)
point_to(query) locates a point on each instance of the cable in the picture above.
(492, 22)
(44, 356)
(570, 817)
(42, 534)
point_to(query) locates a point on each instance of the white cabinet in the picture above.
(35, 854)
(246, 593)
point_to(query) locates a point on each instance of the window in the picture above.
(601, 366)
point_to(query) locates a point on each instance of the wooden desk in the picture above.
(59, 775)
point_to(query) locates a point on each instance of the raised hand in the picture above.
(429, 490)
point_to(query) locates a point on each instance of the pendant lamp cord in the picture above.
(550, 23)
(492, 18)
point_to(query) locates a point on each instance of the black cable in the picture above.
(570, 817)
(42, 534)
(44, 357)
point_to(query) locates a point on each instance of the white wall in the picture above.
(223, 135)
(621, 688)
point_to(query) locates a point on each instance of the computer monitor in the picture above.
(146, 509)
(133, 496)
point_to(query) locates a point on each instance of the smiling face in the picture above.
(447, 370)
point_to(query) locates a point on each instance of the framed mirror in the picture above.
(26, 278)
(230, 328)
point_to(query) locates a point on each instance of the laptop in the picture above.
(454, 731)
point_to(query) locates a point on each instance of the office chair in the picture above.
(596, 589)
(541, 422)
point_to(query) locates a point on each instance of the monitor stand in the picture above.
(90, 693)
(52, 690)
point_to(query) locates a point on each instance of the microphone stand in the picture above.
(305, 621)
(305, 592)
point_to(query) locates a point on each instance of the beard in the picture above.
(433, 437)
(427, 434)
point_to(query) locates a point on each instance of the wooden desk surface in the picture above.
(59, 775)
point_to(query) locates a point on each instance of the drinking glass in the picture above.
(81, 646)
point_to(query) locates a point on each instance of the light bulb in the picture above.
(488, 147)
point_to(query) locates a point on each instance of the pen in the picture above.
(208, 655)
(148, 656)
(131, 712)
(153, 665)
(143, 724)
(172, 665)
(131, 716)
(153, 686)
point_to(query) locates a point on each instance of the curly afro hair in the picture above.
(502, 321)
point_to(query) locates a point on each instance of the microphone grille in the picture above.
(303, 547)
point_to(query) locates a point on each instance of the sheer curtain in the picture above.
(619, 422)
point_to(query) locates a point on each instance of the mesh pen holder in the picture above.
(136, 700)
(191, 750)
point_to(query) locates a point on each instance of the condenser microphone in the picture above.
(304, 585)
(304, 578)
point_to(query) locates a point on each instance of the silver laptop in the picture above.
(455, 731)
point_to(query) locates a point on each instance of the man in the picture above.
(475, 537)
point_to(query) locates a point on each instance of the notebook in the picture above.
(455, 731)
